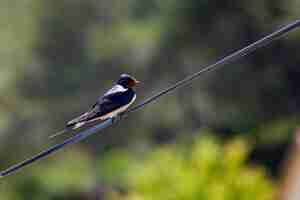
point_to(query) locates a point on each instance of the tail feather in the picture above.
(77, 120)
(70, 127)
(78, 125)
(59, 133)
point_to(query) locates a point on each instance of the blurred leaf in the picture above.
(207, 170)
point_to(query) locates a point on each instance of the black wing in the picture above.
(90, 114)
(111, 100)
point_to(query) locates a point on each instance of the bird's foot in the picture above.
(116, 117)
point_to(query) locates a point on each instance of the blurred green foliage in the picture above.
(62, 177)
(204, 170)
(58, 56)
(207, 169)
(63, 54)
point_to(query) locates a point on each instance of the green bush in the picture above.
(60, 177)
(205, 170)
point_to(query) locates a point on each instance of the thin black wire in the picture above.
(228, 59)
(76, 138)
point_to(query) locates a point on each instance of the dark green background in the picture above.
(58, 56)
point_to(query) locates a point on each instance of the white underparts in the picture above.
(117, 111)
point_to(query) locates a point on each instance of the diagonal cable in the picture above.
(76, 138)
(226, 60)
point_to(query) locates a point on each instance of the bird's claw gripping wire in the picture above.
(118, 117)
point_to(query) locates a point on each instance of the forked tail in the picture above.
(59, 133)
(70, 127)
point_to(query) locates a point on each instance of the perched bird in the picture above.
(111, 104)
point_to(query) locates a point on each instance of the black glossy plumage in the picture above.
(115, 98)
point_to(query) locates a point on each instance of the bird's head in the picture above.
(127, 81)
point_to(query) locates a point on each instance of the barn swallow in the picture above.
(111, 104)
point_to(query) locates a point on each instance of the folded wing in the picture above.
(113, 99)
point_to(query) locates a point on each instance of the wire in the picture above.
(228, 59)
(76, 138)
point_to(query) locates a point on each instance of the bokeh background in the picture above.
(231, 135)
